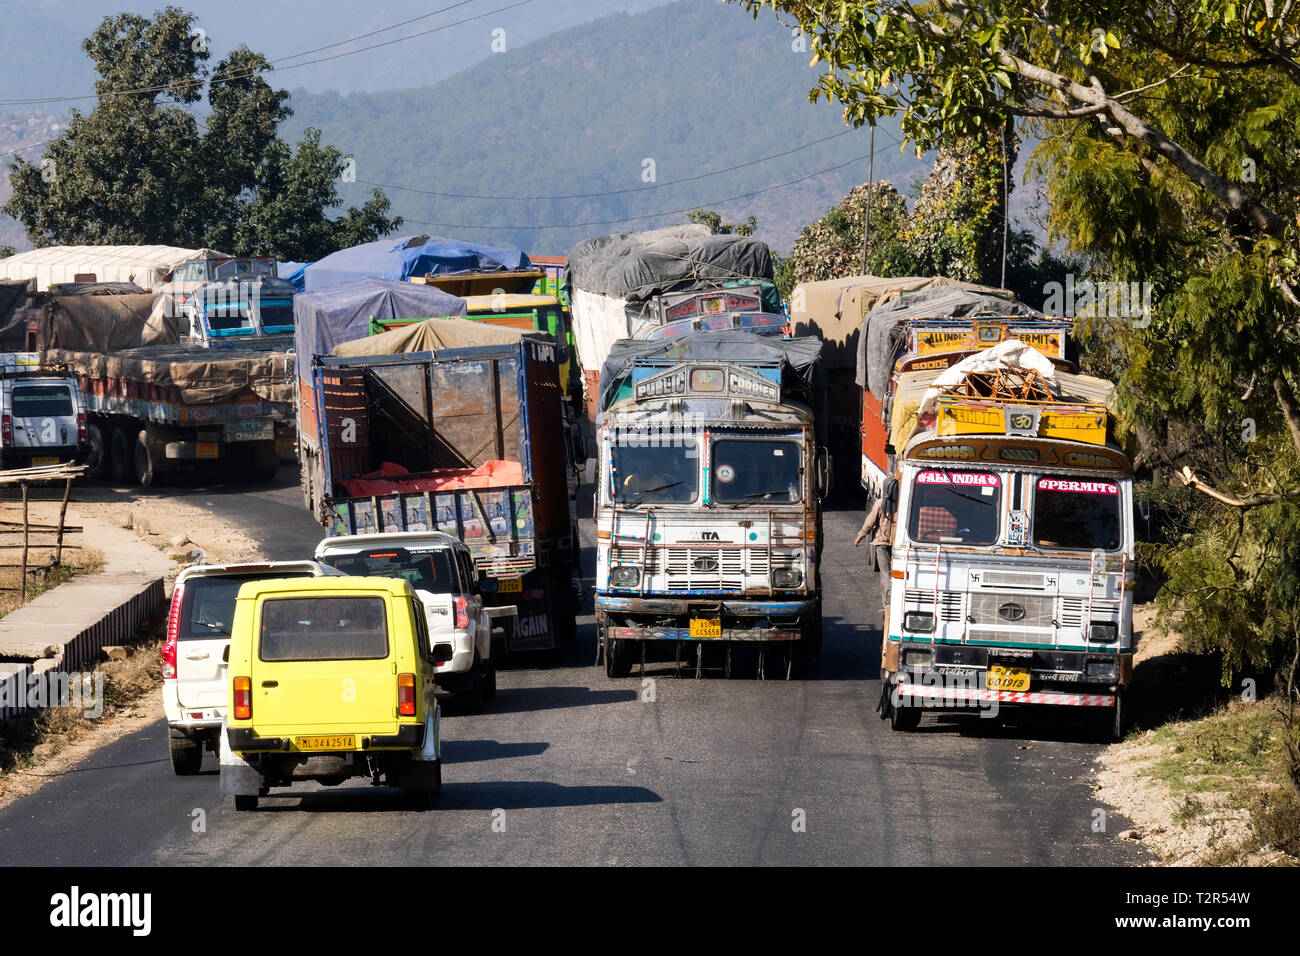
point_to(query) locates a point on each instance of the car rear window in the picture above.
(424, 570)
(208, 604)
(323, 629)
(39, 401)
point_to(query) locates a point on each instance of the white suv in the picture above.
(441, 570)
(195, 652)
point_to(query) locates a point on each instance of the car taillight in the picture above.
(462, 612)
(81, 427)
(406, 695)
(243, 698)
(6, 428)
(173, 633)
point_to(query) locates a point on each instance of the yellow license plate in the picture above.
(703, 627)
(327, 742)
(206, 449)
(510, 585)
(1007, 678)
(43, 460)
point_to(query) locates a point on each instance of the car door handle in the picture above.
(270, 683)
(197, 657)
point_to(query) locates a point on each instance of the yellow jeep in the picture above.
(331, 678)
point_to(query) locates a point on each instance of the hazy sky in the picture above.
(43, 55)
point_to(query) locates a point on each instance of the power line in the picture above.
(654, 215)
(289, 66)
(612, 192)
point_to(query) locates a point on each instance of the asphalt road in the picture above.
(569, 767)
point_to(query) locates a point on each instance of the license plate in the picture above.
(1007, 678)
(703, 627)
(45, 460)
(510, 585)
(335, 742)
(206, 449)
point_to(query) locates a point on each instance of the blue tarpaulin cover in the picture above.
(411, 256)
(294, 273)
(342, 312)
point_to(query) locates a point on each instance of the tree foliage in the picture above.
(141, 168)
(1169, 152)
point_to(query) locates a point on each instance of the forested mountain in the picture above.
(693, 87)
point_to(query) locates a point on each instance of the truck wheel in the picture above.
(120, 455)
(98, 460)
(305, 477)
(244, 801)
(904, 718)
(618, 657)
(145, 461)
(186, 753)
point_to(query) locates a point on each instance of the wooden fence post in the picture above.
(22, 581)
(63, 511)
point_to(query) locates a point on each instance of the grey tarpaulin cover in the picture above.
(200, 375)
(636, 266)
(107, 323)
(883, 327)
(802, 356)
(341, 313)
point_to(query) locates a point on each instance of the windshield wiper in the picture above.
(216, 627)
(650, 491)
(761, 494)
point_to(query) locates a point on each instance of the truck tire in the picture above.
(904, 718)
(121, 457)
(618, 657)
(186, 753)
(306, 476)
(98, 456)
(265, 461)
(145, 462)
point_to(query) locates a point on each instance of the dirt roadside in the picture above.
(63, 738)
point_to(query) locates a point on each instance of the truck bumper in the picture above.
(741, 620)
(920, 694)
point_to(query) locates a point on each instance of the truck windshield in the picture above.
(40, 401)
(654, 472)
(242, 268)
(955, 507)
(323, 629)
(424, 570)
(1076, 513)
(277, 316)
(756, 471)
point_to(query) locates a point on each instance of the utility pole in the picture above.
(1006, 207)
(871, 184)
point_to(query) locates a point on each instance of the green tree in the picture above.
(140, 168)
(1168, 148)
(714, 221)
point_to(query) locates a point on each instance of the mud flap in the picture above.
(238, 777)
(424, 770)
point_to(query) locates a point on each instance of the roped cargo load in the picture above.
(409, 256)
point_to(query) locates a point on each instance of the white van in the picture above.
(42, 418)
(196, 651)
(441, 570)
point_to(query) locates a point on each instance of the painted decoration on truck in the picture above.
(972, 479)
(1079, 486)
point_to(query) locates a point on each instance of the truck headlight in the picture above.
(918, 621)
(1102, 670)
(1103, 632)
(787, 578)
(625, 577)
(917, 657)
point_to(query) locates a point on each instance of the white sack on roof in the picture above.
(1011, 355)
(146, 266)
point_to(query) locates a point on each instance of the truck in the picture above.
(711, 470)
(155, 406)
(221, 302)
(453, 426)
(1012, 570)
(618, 286)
